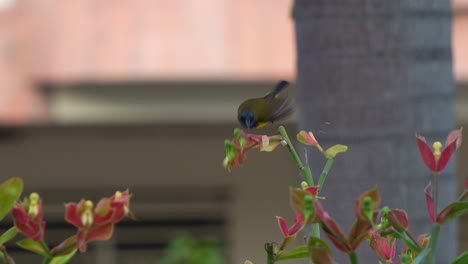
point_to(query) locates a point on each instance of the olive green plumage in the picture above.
(258, 112)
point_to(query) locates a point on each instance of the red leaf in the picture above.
(359, 232)
(426, 153)
(446, 155)
(455, 135)
(71, 214)
(332, 229)
(398, 219)
(319, 251)
(384, 247)
(430, 203)
(283, 226)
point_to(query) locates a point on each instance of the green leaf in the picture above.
(10, 192)
(334, 150)
(319, 251)
(37, 247)
(422, 256)
(451, 211)
(300, 252)
(8, 235)
(60, 259)
(463, 258)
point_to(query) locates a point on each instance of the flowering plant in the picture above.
(379, 227)
(92, 223)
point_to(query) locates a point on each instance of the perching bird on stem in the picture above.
(258, 112)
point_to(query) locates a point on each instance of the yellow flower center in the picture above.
(437, 147)
(33, 209)
(118, 194)
(87, 215)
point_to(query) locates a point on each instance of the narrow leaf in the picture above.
(296, 253)
(452, 210)
(34, 246)
(8, 235)
(60, 259)
(10, 192)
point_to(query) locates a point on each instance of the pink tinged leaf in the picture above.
(103, 232)
(446, 155)
(72, 215)
(383, 247)
(103, 206)
(306, 138)
(296, 199)
(423, 240)
(331, 228)
(29, 228)
(65, 247)
(359, 205)
(452, 210)
(455, 135)
(359, 231)
(319, 251)
(313, 190)
(426, 153)
(398, 219)
(430, 203)
(283, 226)
(19, 214)
(298, 224)
(268, 145)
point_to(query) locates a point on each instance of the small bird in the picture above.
(258, 112)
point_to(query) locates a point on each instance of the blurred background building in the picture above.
(104, 95)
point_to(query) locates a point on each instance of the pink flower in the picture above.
(96, 224)
(28, 217)
(436, 161)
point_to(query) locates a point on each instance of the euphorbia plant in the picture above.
(91, 223)
(381, 228)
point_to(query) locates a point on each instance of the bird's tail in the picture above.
(279, 87)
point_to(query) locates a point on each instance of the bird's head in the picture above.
(247, 119)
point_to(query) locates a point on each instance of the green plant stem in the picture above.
(463, 196)
(324, 174)
(416, 243)
(306, 172)
(7, 259)
(433, 243)
(353, 258)
(270, 255)
(435, 191)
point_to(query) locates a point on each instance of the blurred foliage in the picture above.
(186, 249)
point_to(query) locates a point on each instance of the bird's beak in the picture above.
(248, 124)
